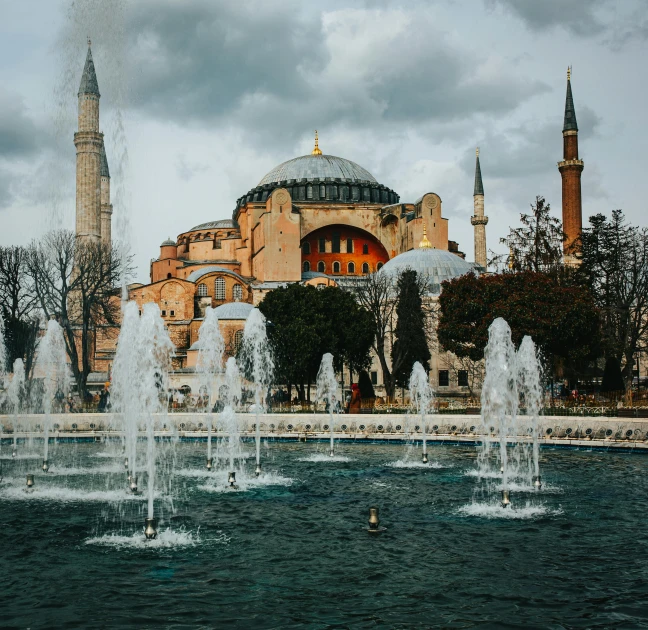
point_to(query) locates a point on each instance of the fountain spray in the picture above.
(51, 365)
(3, 363)
(16, 393)
(327, 389)
(529, 386)
(232, 396)
(421, 393)
(258, 367)
(209, 364)
(499, 398)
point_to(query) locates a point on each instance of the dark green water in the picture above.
(298, 556)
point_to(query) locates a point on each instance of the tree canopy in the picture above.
(562, 318)
(306, 323)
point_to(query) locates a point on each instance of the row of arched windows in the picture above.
(306, 247)
(219, 290)
(337, 267)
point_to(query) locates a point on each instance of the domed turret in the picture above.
(168, 249)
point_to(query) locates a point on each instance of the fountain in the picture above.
(326, 391)
(208, 366)
(51, 366)
(421, 394)
(15, 394)
(140, 385)
(530, 388)
(231, 396)
(258, 367)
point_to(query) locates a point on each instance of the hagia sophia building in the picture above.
(315, 219)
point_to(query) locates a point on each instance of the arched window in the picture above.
(351, 267)
(169, 276)
(321, 267)
(365, 267)
(336, 267)
(379, 266)
(306, 248)
(219, 288)
(309, 192)
(237, 293)
(322, 191)
(365, 249)
(306, 266)
(202, 289)
(238, 340)
(217, 243)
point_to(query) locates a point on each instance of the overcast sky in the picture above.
(200, 98)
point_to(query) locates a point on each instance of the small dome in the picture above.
(318, 167)
(435, 264)
(211, 225)
(233, 310)
(168, 243)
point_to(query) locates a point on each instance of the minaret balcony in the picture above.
(571, 163)
(478, 220)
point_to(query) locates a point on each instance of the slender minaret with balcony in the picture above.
(570, 169)
(479, 220)
(106, 206)
(89, 144)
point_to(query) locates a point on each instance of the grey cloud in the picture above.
(19, 136)
(577, 16)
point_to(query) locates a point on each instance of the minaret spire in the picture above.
(479, 220)
(570, 169)
(89, 84)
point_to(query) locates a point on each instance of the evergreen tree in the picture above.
(411, 342)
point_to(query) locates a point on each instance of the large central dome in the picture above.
(312, 167)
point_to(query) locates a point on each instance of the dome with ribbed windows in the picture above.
(318, 167)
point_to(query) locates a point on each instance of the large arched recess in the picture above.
(367, 253)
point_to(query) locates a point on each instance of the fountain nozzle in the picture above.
(501, 470)
(150, 530)
(132, 480)
(506, 498)
(210, 461)
(374, 521)
(231, 480)
(425, 458)
(537, 482)
(14, 453)
(126, 463)
(331, 453)
(45, 466)
(30, 481)
(257, 470)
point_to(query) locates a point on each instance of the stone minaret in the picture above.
(106, 206)
(89, 143)
(478, 220)
(570, 169)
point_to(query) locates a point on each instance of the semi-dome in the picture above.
(233, 310)
(318, 167)
(436, 265)
(211, 225)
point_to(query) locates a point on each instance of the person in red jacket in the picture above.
(354, 403)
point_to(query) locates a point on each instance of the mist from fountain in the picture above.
(51, 366)
(16, 394)
(530, 389)
(231, 397)
(327, 392)
(258, 366)
(209, 366)
(422, 395)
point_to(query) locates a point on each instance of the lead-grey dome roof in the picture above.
(233, 310)
(436, 265)
(210, 225)
(318, 167)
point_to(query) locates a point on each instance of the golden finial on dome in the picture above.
(425, 244)
(89, 42)
(477, 151)
(568, 73)
(316, 150)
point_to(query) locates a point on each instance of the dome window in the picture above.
(219, 288)
(202, 289)
(309, 192)
(355, 193)
(336, 267)
(322, 191)
(334, 192)
(349, 246)
(322, 245)
(351, 267)
(321, 267)
(365, 249)
(306, 267)
(365, 267)
(366, 194)
(306, 248)
(237, 293)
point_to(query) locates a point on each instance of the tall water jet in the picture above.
(499, 398)
(327, 390)
(231, 395)
(125, 384)
(51, 366)
(258, 367)
(422, 395)
(209, 365)
(530, 389)
(144, 350)
(16, 394)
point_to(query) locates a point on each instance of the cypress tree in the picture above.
(411, 342)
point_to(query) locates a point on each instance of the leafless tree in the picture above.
(77, 283)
